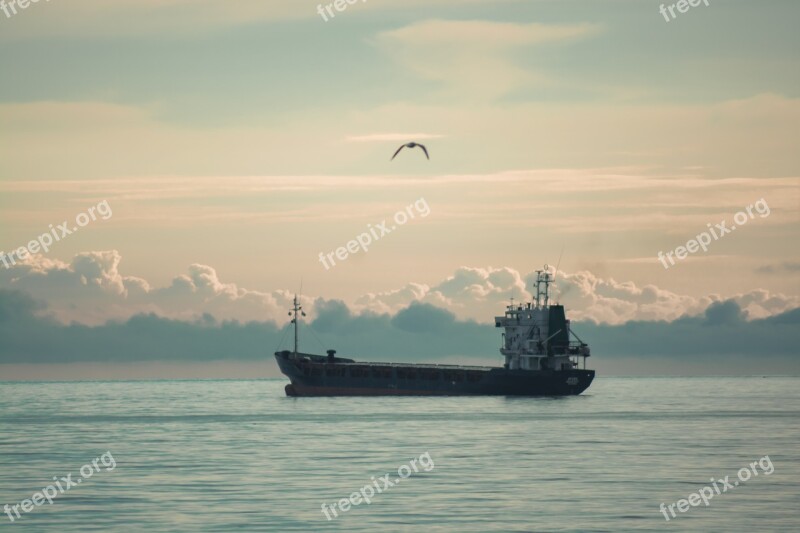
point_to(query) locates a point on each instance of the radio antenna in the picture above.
(559, 263)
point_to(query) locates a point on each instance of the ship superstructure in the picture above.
(537, 334)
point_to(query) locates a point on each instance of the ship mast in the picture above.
(293, 313)
(543, 277)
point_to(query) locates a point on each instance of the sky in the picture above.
(210, 158)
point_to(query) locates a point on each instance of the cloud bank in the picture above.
(88, 311)
(92, 289)
(719, 341)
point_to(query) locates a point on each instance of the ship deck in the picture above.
(323, 360)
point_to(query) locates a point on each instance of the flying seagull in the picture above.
(411, 145)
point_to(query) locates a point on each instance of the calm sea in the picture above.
(240, 456)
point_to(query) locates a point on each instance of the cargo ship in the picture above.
(542, 358)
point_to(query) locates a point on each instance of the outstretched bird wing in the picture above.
(397, 152)
(425, 150)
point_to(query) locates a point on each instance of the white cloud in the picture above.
(91, 289)
(471, 58)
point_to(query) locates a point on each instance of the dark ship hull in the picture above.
(315, 375)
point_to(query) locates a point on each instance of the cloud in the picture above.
(474, 293)
(720, 331)
(30, 337)
(92, 289)
(718, 342)
(724, 313)
(478, 293)
(786, 267)
(474, 57)
(609, 301)
(423, 318)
